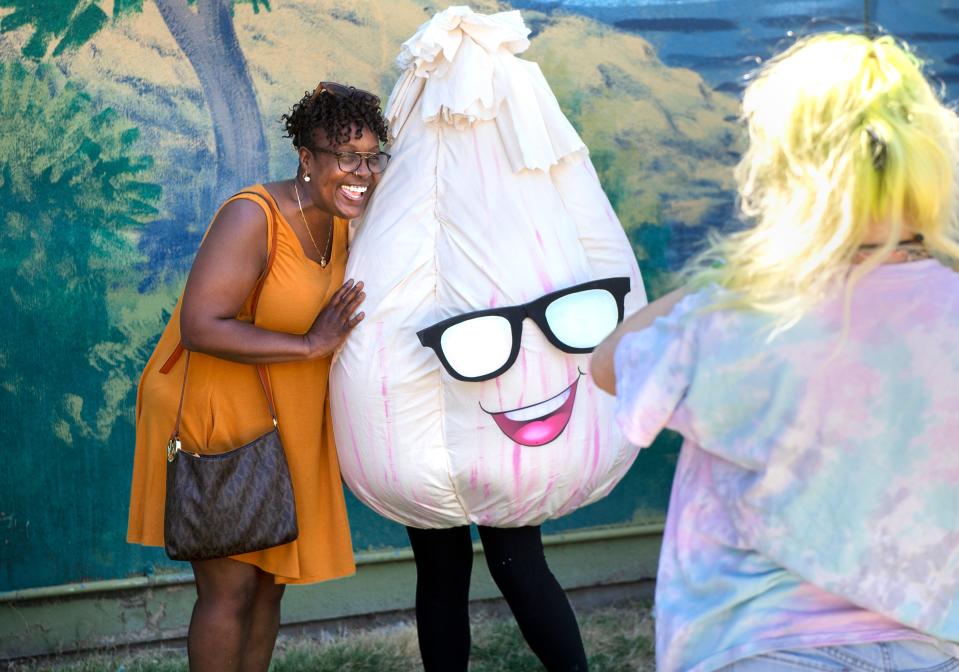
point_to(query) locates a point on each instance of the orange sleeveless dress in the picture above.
(225, 407)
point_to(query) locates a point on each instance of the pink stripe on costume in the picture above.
(607, 208)
(384, 391)
(545, 278)
(517, 471)
(524, 369)
(357, 459)
(597, 445)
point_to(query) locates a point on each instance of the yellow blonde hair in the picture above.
(845, 133)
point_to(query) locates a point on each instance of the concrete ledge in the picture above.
(145, 610)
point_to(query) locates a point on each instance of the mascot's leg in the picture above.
(444, 561)
(517, 563)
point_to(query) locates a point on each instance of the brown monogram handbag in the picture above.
(233, 502)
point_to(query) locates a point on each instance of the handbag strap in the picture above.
(260, 368)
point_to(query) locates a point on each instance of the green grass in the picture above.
(617, 639)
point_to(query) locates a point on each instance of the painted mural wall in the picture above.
(123, 123)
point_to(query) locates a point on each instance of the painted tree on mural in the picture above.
(204, 31)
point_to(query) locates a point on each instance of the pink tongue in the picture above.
(535, 432)
(538, 432)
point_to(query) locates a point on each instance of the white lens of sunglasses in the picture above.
(479, 346)
(583, 319)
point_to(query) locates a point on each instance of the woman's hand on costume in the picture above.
(336, 320)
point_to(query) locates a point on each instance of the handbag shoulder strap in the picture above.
(271, 246)
(255, 299)
(271, 252)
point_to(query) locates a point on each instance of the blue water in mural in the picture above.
(724, 40)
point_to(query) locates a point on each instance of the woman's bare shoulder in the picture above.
(240, 224)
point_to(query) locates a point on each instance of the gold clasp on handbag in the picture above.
(172, 448)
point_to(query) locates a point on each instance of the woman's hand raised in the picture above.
(336, 320)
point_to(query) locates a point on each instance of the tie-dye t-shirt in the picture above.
(816, 499)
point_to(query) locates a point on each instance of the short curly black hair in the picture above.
(336, 113)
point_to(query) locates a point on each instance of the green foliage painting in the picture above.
(72, 197)
(75, 187)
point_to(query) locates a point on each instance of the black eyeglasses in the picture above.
(349, 162)
(484, 344)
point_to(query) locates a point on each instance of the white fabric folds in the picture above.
(489, 201)
(461, 67)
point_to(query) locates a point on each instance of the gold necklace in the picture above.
(324, 259)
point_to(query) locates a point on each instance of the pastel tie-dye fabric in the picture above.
(816, 499)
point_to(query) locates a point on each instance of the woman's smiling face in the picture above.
(333, 190)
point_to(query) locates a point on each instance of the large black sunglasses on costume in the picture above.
(484, 344)
(350, 162)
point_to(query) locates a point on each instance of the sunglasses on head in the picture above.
(484, 344)
(349, 92)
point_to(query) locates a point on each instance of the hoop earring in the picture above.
(306, 177)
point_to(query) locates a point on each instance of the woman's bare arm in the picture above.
(601, 365)
(225, 270)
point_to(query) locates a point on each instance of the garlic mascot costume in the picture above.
(493, 263)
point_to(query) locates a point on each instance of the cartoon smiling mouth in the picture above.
(538, 424)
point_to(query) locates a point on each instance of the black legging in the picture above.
(444, 561)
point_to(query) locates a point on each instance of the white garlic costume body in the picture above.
(490, 202)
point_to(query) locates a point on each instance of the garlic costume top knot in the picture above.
(461, 67)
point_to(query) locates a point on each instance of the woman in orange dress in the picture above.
(305, 311)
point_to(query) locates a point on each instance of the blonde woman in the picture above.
(811, 365)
